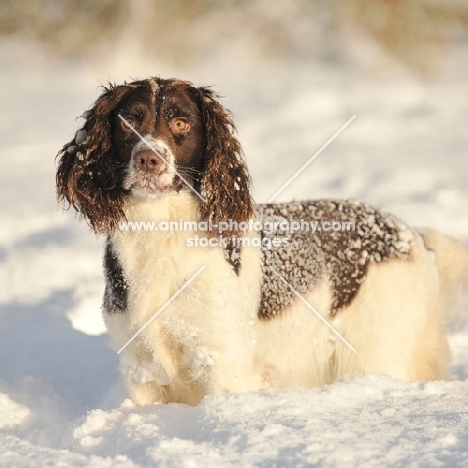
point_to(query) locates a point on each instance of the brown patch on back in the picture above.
(342, 256)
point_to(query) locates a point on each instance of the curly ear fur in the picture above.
(225, 184)
(89, 174)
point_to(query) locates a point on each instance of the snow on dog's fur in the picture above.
(239, 326)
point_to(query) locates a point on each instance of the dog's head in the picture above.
(151, 138)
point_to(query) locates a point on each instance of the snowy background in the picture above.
(292, 78)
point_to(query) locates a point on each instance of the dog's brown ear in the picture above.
(89, 173)
(225, 184)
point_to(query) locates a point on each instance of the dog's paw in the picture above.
(144, 370)
(198, 360)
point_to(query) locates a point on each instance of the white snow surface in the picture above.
(62, 403)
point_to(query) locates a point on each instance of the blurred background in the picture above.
(292, 71)
(186, 32)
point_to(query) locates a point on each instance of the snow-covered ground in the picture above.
(61, 399)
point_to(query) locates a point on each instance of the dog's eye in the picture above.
(179, 125)
(127, 124)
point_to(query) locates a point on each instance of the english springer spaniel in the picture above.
(195, 311)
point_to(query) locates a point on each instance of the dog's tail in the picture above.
(452, 264)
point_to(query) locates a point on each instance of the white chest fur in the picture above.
(195, 344)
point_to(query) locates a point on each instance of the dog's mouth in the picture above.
(151, 172)
(146, 185)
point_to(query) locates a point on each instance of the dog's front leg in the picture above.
(211, 360)
(148, 372)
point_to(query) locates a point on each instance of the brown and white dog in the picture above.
(160, 151)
